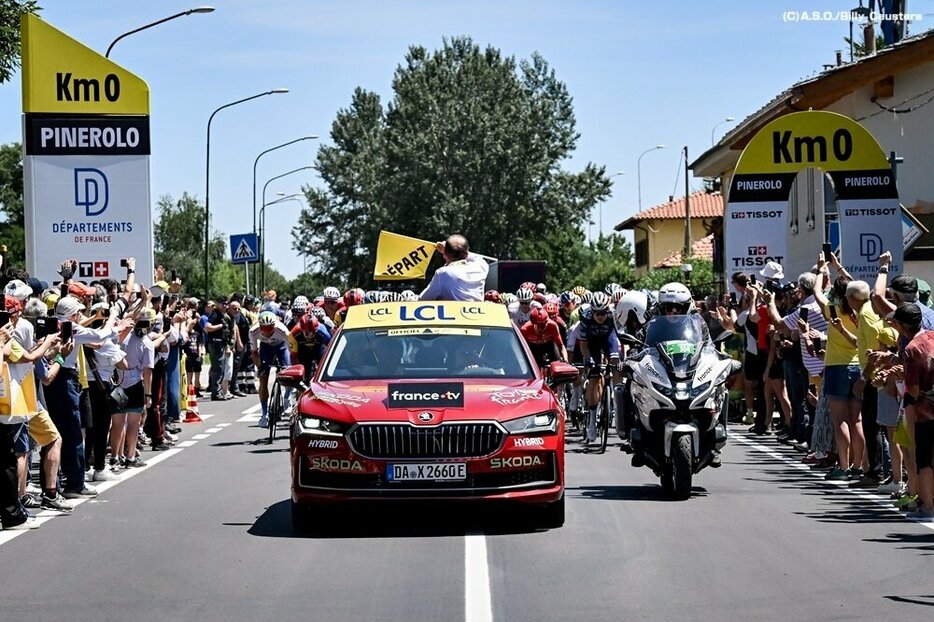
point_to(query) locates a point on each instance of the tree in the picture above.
(12, 231)
(472, 142)
(173, 232)
(10, 13)
(609, 261)
(702, 282)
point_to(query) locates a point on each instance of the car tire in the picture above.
(301, 519)
(552, 515)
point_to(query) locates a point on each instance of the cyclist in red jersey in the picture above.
(543, 338)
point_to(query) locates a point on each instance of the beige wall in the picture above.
(666, 236)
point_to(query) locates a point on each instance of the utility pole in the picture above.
(687, 210)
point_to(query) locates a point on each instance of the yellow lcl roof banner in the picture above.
(61, 75)
(399, 257)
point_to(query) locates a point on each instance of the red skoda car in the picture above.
(438, 400)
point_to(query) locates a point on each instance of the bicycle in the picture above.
(605, 407)
(291, 377)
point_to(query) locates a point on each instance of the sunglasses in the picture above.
(599, 313)
(525, 303)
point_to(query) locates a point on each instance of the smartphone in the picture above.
(752, 278)
(174, 275)
(123, 263)
(733, 298)
(66, 332)
(45, 326)
(828, 251)
(833, 312)
(818, 344)
(4, 318)
(804, 315)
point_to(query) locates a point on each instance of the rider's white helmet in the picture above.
(633, 309)
(674, 298)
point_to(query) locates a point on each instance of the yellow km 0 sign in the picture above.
(61, 75)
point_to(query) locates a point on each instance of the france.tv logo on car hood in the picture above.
(426, 395)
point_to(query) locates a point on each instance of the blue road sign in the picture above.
(244, 248)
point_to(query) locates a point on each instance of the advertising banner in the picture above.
(757, 226)
(86, 167)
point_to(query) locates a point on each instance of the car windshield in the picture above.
(689, 328)
(427, 352)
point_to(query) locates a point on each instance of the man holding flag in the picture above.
(463, 275)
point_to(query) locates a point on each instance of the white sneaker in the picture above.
(105, 475)
(887, 489)
(30, 523)
(749, 419)
(169, 436)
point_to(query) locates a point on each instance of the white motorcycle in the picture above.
(677, 383)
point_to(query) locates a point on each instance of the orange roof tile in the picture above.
(703, 205)
(700, 249)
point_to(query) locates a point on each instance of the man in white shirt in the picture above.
(463, 275)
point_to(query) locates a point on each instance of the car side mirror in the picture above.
(562, 373)
(629, 340)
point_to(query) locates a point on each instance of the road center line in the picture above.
(885, 504)
(478, 605)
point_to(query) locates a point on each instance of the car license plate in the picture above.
(430, 471)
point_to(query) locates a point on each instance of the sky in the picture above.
(641, 74)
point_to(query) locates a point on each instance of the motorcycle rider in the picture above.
(632, 313)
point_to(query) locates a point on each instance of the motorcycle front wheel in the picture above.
(682, 467)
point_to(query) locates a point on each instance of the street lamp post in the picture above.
(639, 171)
(714, 129)
(256, 161)
(200, 9)
(262, 232)
(262, 241)
(207, 180)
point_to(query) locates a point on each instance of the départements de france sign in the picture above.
(756, 219)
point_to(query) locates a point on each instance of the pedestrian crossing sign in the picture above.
(244, 248)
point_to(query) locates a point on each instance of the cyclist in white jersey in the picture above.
(270, 341)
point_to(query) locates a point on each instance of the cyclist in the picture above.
(299, 308)
(521, 310)
(554, 314)
(307, 342)
(541, 333)
(568, 306)
(270, 339)
(319, 313)
(598, 341)
(332, 302)
(351, 297)
(491, 295)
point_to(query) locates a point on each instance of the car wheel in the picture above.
(552, 515)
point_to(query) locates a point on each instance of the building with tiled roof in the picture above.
(700, 249)
(659, 231)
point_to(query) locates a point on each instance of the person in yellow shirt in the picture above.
(841, 377)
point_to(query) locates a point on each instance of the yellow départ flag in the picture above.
(399, 257)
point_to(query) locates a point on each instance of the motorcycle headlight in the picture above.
(324, 427)
(539, 423)
(666, 391)
(681, 391)
(695, 391)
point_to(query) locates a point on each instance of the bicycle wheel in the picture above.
(275, 409)
(606, 406)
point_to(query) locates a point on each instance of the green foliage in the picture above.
(179, 244)
(608, 260)
(472, 142)
(10, 13)
(12, 230)
(702, 282)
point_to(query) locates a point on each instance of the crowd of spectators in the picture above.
(849, 366)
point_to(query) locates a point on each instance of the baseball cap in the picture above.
(17, 289)
(772, 270)
(904, 284)
(67, 306)
(36, 284)
(159, 288)
(908, 313)
(80, 290)
(12, 305)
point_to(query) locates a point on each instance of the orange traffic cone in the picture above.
(191, 414)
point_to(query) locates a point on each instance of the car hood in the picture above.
(368, 400)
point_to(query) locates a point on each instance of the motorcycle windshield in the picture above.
(679, 340)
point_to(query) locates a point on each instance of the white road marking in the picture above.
(252, 409)
(222, 425)
(878, 500)
(200, 437)
(187, 443)
(212, 430)
(248, 419)
(478, 604)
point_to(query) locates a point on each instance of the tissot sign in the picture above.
(86, 166)
(758, 226)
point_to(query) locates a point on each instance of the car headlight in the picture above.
(695, 391)
(325, 427)
(546, 422)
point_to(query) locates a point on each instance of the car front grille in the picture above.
(448, 440)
